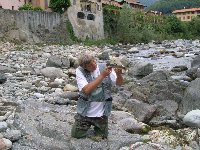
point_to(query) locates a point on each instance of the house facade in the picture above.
(11, 4)
(44, 4)
(187, 14)
(129, 3)
(86, 17)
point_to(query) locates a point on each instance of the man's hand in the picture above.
(106, 71)
(118, 71)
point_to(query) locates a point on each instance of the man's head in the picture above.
(87, 61)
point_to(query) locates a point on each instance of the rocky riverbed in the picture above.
(156, 109)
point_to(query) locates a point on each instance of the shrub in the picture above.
(26, 7)
(30, 7)
(59, 6)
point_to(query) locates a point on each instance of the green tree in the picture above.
(59, 6)
(174, 25)
(194, 27)
(167, 6)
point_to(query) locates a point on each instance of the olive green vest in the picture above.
(101, 94)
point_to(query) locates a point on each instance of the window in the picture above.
(188, 17)
(88, 8)
(90, 17)
(98, 7)
(183, 18)
(12, 7)
(81, 15)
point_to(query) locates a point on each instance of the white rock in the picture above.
(5, 144)
(192, 118)
(38, 95)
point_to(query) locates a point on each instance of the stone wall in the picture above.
(32, 26)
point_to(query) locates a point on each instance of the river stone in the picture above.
(4, 69)
(52, 72)
(54, 61)
(70, 95)
(69, 87)
(191, 97)
(142, 111)
(131, 125)
(3, 126)
(5, 144)
(140, 69)
(148, 146)
(13, 135)
(196, 62)
(192, 118)
(2, 78)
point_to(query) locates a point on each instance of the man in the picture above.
(95, 102)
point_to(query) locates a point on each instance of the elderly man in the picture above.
(95, 102)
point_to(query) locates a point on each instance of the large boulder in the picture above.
(5, 69)
(142, 111)
(140, 69)
(191, 99)
(192, 118)
(52, 72)
(57, 61)
(196, 62)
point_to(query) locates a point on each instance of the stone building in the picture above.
(187, 14)
(135, 5)
(44, 4)
(86, 17)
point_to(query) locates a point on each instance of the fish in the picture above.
(115, 66)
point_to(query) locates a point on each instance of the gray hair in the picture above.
(85, 58)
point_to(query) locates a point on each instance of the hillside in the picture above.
(147, 2)
(167, 6)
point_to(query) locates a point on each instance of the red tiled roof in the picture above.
(115, 3)
(186, 10)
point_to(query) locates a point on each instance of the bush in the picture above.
(37, 8)
(30, 7)
(59, 6)
(26, 7)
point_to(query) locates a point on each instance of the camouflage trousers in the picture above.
(82, 125)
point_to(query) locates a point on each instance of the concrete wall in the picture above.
(83, 27)
(11, 4)
(32, 26)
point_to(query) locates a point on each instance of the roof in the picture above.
(117, 2)
(186, 10)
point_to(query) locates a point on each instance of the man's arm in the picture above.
(119, 79)
(92, 85)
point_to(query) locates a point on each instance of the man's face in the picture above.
(91, 66)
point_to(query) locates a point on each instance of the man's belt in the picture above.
(85, 99)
